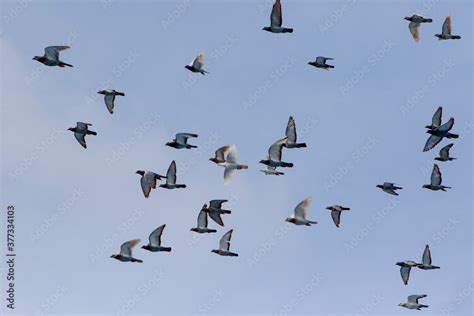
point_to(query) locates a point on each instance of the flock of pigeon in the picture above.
(226, 157)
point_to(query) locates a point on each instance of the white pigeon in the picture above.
(154, 244)
(230, 164)
(224, 246)
(299, 216)
(412, 302)
(197, 65)
(125, 254)
(109, 98)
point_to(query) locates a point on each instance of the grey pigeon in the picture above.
(197, 65)
(438, 134)
(336, 213)
(272, 171)
(389, 188)
(80, 132)
(148, 181)
(446, 31)
(412, 302)
(415, 22)
(202, 222)
(224, 246)
(125, 254)
(154, 244)
(300, 211)
(320, 62)
(405, 268)
(171, 178)
(436, 180)
(181, 141)
(219, 155)
(109, 98)
(291, 135)
(436, 120)
(426, 260)
(444, 153)
(215, 210)
(275, 153)
(276, 20)
(51, 56)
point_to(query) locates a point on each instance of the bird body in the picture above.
(320, 62)
(389, 188)
(51, 56)
(215, 210)
(412, 302)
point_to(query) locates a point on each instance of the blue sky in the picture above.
(363, 123)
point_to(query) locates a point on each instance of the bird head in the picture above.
(408, 18)
(71, 129)
(101, 92)
(36, 58)
(140, 172)
(113, 256)
(426, 186)
(267, 28)
(264, 161)
(430, 131)
(146, 247)
(194, 229)
(401, 304)
(379, 186)
(214, 159)
(215, 251)
(399, 263)
(329, 208)
(290, 219)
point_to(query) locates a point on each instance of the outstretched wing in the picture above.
(81, 138)
(224, 243)
(444, 152)
(426, 259)
(291, 130)
(198, 62)
(431, 142)
(216, 217)
(302, 207)
(126, 247)
(171, 173)
(436, 120)
(202, 219)
(216, 203)
(221, 151)
(232, 154)
(414, 27)
(436, 176)
(182, 138)
(274, 152)
(155, 236)
(276, 18)
(336, 217)
(405, 273)
(52, 52)
(146, 188)
(447, 126)
(109, 102)
(415, 298)
(447, 26)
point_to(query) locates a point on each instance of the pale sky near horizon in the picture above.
(363, 123)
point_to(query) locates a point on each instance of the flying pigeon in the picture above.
(291, 135)
(171, 178)
(272, 171)
(336, 213)
(125, 254)
(51, 56)
(154, 244)
(389, 188)
(276, 20)
(299, 216)
(181, 141)
(197, 65)
(436, 180)
(109, 98)
(148, 181)
(230, 163)
(438, 134)
(436, 120)
(219, 156)
(80, 132)
(415, 22)
(444, 153)
(446, 31)
(426, 260)
(215, 210)
(405, 268)
(274, 155)
(413, 302)
(224, 246)
(202, 222)
(320, 62)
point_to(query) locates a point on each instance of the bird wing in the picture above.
(436, 176)
(198, 62)
(390, 191)
(436, 120)
(126, 247)
(109, 102)
(224, 243)
(431, 142)
(228, 173)
(155, 236)
(150, 178)
(81, 138)
(405, 273)
(302, 207)
(232, 154)
(216, 203)
(426, 259)
(446, 126)
(414, 27)
(336, 217)
(216, 217)
(447, 26)
(415, 298)
(274, 152)
(276, 17)
(320, 60)
(146, 188)
(444, 152)
(202, 219)
(171, 173)
(82, 125)
(221, 151)
(182, 138)
(291, 130)
(52, 52)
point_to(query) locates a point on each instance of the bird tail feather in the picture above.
(91, 133)
(62, 64)
(302, 145)
(286, 164)
(287, 30)
(167, 249)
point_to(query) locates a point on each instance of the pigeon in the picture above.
(336, 213)
(155, 241)
(436, 120)
(80, 132)
(181, 141)
(230, 163)
(109, 98)
(444, 153)
(291, 135)
(436, 180)
(446, 31)
(51, 56)
(426, 260)
(274, 155)
(197, 65)
(405, 268)
(413, 302)
(224, 246)
(215, 210)
(276, 20)
(125, 254)
(219, 156)
(320, 62)
(171, 178)
(148, 181)
(299, 216)
(202, 222)
(438, 134)
(389, 188)
(272, 171)
(415, 22)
